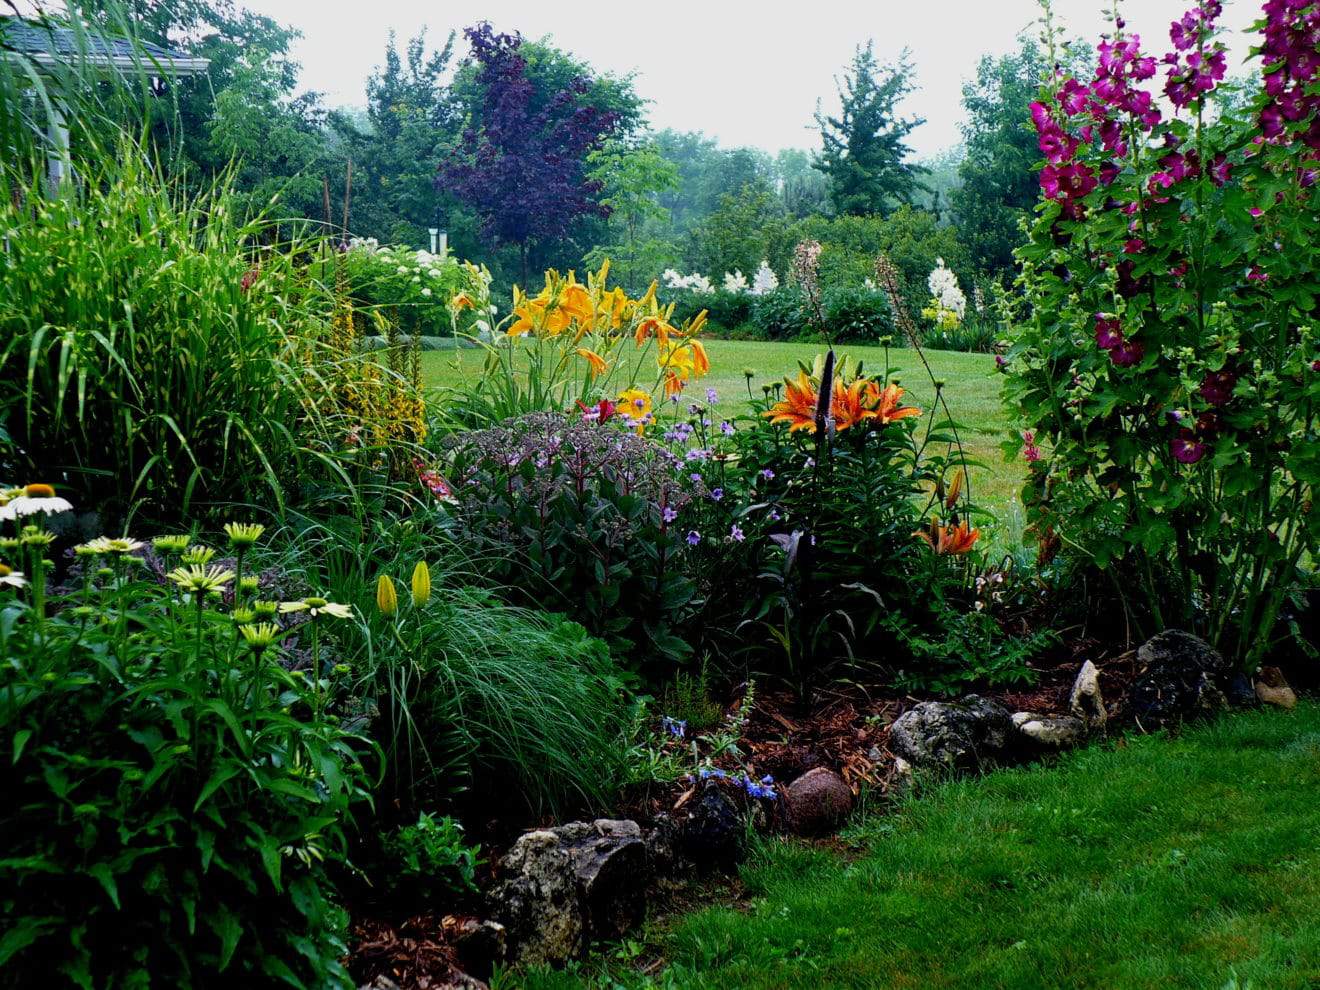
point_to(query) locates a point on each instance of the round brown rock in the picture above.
(817, 802)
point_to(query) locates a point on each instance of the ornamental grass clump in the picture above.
(1164, 363)
(166, 360)
(176, 802)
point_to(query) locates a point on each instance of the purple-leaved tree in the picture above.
(520, 163)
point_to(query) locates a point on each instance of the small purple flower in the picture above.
(712, 396)
(768, 475)
(727, 428)
(693, 538)
(775, 516)
(717, 493)
(675, 727)
(736, 534)
(670, 514)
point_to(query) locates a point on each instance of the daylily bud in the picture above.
(386, 598)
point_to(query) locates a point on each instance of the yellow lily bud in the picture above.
(386, 598)
(421, 583)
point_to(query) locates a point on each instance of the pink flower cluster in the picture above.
(1109, 337)
(1030, 451)
(1198, 63)
(1291, 56)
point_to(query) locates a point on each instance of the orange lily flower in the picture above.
(576, 303)
(956, 539)
(848, 404)
(461, 302)
(700, 360)
(597, 363)
(653, 326)
(885, 403)
(798, 407)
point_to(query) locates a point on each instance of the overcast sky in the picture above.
(748, 72)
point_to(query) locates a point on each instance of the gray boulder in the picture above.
(951, 736)
(563, 886)
(817, 802)
(1179, 677)
(713, 834)
(1048, 733)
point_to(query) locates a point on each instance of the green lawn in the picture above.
(972, 391)
(1163, 863)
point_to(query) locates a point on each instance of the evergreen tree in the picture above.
(864, 157)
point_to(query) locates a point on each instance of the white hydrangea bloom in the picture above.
(944, 287)
(735, 282)
(765, 280)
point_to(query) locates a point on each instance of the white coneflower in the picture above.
(11, 578)
(315, 606)
(122, 545)
(35, 499)
(199, 580)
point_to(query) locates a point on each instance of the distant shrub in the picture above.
(781, 314)
(725, 310)
(857, 315)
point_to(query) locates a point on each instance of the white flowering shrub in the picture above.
(765, 281)
(735, 282)
(695, 282)
(407, 284)
(948, 305)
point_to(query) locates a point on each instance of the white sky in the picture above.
(748, 72)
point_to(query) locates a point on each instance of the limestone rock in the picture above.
(1086, 701)
(1049, 733)
(1272, 689)
(565, 885)
(945, 736)
(817, 802)
(1180, 677)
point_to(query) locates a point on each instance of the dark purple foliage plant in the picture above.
(520, 162)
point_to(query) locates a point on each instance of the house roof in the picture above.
(47, 43)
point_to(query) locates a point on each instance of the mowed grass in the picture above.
(1159, 863)
(971, 390)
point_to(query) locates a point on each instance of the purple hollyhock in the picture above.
(1127, 353)
(1185, 448)
(1217, 386)
(1108, 332)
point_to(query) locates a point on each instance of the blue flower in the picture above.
(717, 493)
(712, 396)
(768, 475)
(727, 428)
(693, 538)
(736, 534)
(670, 513)
(675, 727)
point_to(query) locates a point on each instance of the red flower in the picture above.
(1217, 386)
(1108, 332)
(1127, 353)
